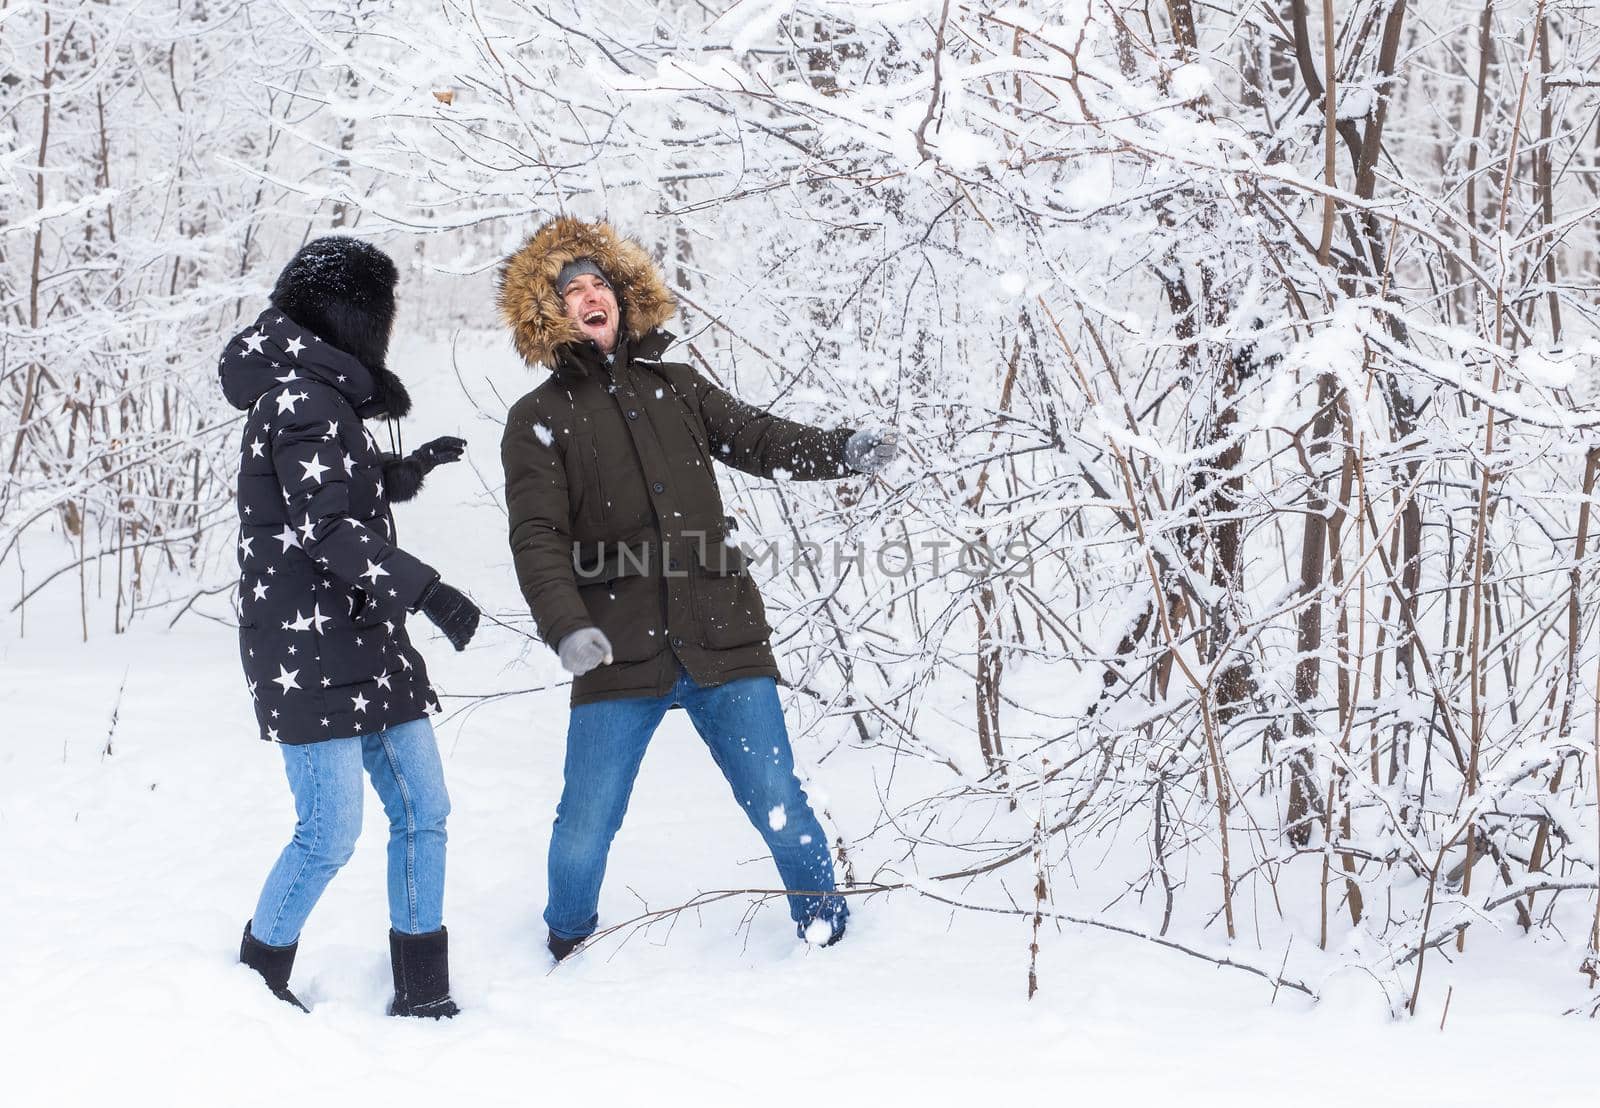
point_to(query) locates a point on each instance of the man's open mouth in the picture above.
(595, 317)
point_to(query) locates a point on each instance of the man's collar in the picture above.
(653, 344)
(575, 363)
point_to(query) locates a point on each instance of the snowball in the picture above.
(818, 932)
(777, 819)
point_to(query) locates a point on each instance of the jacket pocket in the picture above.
(622, 597)
(591, 477)
(352, 655)
(364, 610)
(727, 603)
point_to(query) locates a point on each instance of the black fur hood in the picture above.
(341, 290)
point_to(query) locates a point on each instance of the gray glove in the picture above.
(869, 451)
(584, 649)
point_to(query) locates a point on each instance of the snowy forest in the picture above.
(1243, 356)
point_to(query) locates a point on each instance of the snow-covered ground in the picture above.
(125, 877)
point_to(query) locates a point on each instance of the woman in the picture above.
(323, 595)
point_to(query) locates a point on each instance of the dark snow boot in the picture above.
(421, 966)
(273, 963)
(560, 947)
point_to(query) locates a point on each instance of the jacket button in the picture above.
(633, 413)
(677, 642)
(659, 487)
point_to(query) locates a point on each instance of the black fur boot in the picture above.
(273, 963)
(421, 966)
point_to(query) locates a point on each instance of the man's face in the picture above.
(593, 307)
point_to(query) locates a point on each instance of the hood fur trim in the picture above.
(536, 315)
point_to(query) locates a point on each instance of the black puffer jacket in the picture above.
(323, 588)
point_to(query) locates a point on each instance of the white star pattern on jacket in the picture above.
(317, 674)
(314, 469)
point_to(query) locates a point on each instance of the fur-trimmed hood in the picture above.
(531, 307)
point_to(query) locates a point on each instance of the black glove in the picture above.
(402, 477)
(450, 611)
(446, 448)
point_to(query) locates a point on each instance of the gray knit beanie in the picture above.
(575, 268)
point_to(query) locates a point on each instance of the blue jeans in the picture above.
(325, 778)
(742, 724)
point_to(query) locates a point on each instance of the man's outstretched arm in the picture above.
(756, 441)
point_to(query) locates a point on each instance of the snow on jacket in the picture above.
(323, 587)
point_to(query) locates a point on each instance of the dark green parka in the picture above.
(615, 517)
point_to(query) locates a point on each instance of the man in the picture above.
(623, 554)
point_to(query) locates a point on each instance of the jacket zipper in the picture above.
(603, 509)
